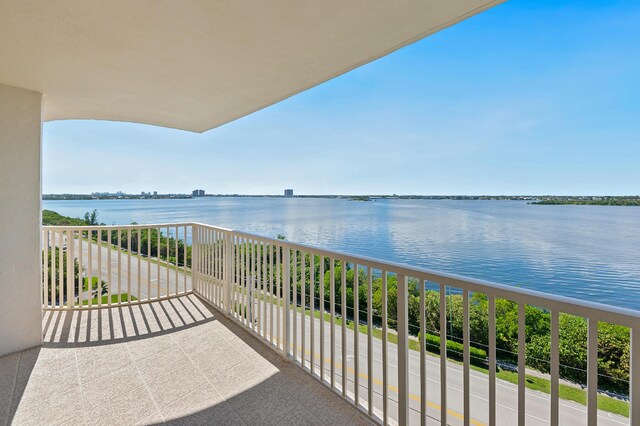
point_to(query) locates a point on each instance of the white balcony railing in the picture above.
(96, 266)
(276, 290)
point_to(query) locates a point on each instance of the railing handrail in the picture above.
(578, 307)
(107, 227)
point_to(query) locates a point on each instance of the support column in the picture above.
(20, 219)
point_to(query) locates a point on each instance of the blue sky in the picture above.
(531, 97)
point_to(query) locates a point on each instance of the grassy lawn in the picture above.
(566, 392)
(125, 297)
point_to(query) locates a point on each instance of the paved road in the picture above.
(147, 276)
(153, 281)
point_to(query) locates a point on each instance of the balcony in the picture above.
(192, 323)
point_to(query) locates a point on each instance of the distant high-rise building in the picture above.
(288, 193)
(197, 193)
(155, 193)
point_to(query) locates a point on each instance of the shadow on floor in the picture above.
(177, 361)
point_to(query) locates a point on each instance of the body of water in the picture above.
(586, 252)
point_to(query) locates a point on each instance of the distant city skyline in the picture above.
(529, 97)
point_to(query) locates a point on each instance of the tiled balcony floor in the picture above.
(177, 362)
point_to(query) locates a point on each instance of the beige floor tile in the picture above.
(176, 383)
(141, 348)
(128, 407)
(241, 378)
(8, 373)
(38, 384)
(104, 389)
(263, 404)
(216, 362)
(153, 419)
(59, 409)
(161, 363)
(202, 406)
(98, 361)
(300, 416)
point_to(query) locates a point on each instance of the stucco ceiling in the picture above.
(197, 64)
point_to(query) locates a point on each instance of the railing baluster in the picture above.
(287, 300)
(555, 368)
(467, 357)
(294, 284)
(443, 354)
(128, 266)
(271, 302)
(222, 268)
(204, 265)
(492, 360)
(210, 266)
(592, 372)
(343, 310)
(258, 286)
(139, 238)
(332, 319)
(403, 350)
(385, 356)
(148, 263)
(321, 308)
(634, 377)
(119, 253)
(158, 276)
(80, 274)
(312, 317)
(70, 269)
(423, 357)
(265, 279)
(247, 283)
(252, 283)
(279, 295)
(99, 239)
(166, 265)
(89, 266)
(45, 271)
(303, 320)
(243, 276)
(176, 261)
(521, 364)
(214, 264)
(235, 277)
(370, 340)
(356, 323)
(53, 268)
(184, 261)
(267, 275)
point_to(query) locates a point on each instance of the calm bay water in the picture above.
(587, 252)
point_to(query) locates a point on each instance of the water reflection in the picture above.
(587, 252)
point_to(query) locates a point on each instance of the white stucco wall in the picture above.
(20, 200)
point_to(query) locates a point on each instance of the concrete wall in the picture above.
(20, 218)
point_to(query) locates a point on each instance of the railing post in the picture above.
(403, 351)
(195, 254)
(286, 280)
(634, 377)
